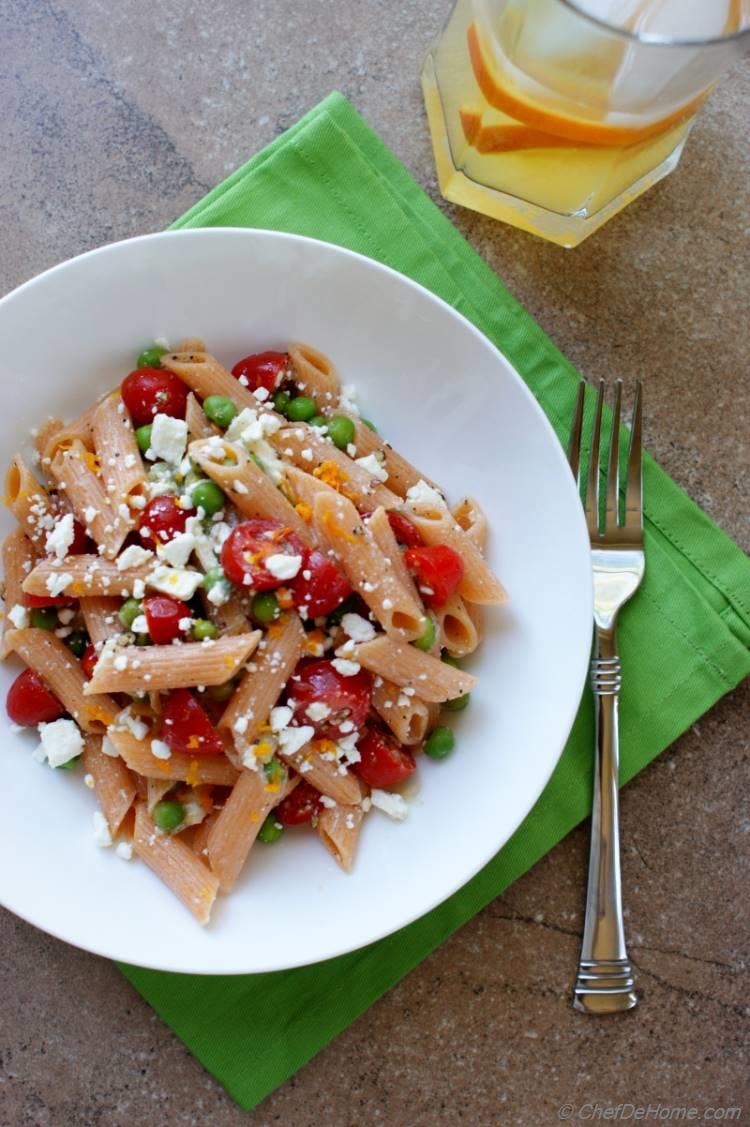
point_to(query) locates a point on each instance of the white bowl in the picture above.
(449, 400)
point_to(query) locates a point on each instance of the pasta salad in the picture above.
(239, 608)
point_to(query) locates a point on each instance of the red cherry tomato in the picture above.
(185, 727)
(324, 590)
(249, 544)
(262, 369)
(82, 543)
(161, 519)
(163, 615)
(30, 701)
(404, 531)
(47, 601)
(348, 698)
(89, 660)
(299, 806)
(153, 391)
(438, 570)
(383, 761)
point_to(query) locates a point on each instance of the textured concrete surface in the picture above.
(115, 118)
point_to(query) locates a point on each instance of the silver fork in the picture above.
(605, 982)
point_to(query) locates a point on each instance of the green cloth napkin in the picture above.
(684, 641)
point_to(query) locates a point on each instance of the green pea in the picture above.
(220, 410)
(207, 496)
(427, 639)
(129, 611)
(275, 771)
(69, 765)
(169, 815)
(370, 426)
(44, 618)
(281, 401)
(77, 642)
(143, 437)
(151, 357)
(265, 607)
(350, 605)
(301, 409)
(458, 704)
(270, 831)
(439, 743)
(203, 629)
(213, 576)
(220, 692)
(318, 421)
(341, 431)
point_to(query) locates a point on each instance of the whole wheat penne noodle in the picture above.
(76, 472)
(409, 718)
(130, 669)
(309, 450)
(155, 790)
(200, 839)
(340, 526)
(470, 516)
(28, 500)
(206, 376)
(118, 452)
(18, 560)
(231, 617)
(379, 528)
(51, 659)
(421, 673)
(137, 754)
(402, 475)
(316, 763)
(113, 782)
(44, 433)
(100, 614)
(90, 575)
(339, 828)
(458, 631)
(315, 375)
(191, 344)
(233, 833)
(79, 430)
(260, 688)
(249, 489)
(438, 526)
(197, 423)
(176, 864)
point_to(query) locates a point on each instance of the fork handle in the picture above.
(605, 981)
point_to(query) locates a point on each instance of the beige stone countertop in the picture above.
(115, 118)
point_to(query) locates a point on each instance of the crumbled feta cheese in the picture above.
(292, 739)
(239, 486)
(282, 566)
(387, 604)
(186, 623)
(19, 616)
(88, 780)
(140, 624)
(261, 394)
(139, 588)
(108, 748)
(424, 494)
(348, 399)
(373, 466)
(344, 667)
(327, 801)
(66, 615)
(130, 461)
(120, 663)
(124, 850)
(179, 549)
(61, 537)
(128, 720)
(241, 725)
(169, 438)
(280, 717)
(358, 628)
(161, 750)
(89, 514)
(220, 593)
(180, 583)
(133, 556)
(61, 741)
(317, 711)
(102, 836)
(391, 804)
(307, 454)
(57, 582)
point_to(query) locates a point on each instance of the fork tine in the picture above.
(634, 491)
(574, 449)
(592, 487)
(613, 471)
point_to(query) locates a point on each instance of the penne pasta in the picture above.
(310, 451)
(248, 487)
(197, 423)
(402, 475)
(29, 501)
(100, 616)
(339, 828)
(51, 659)
(119, 456)
(380, 529)
(458, 631)
(18, 560)
(317, 764)
(339, 525)
(469, 515)
(137, 754)
(229, 618)
(89, 576)
(155, 790)
(62, 437)
(113, 783)
(76, 472)
(409, 717)
(314, 375)
(129, 669)
(417, 672)
(200, 840)
(233, 834)
(206, 376)
(438, 526)
(176, 864)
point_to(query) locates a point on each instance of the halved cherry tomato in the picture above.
(438, 569)
(185, 727)
(383, 761)
(299, 806)
(82, 542)
(252, 542)
(161, 519)
(30, 701)
(163, 614)
(148, 392)
(89, 660)
(319, 586)
(47, 601)
(348, 698)
(262, 369)
(404, 531)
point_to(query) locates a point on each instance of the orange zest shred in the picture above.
(314, 642)
(330, 474)
(285, 599)
(304, 511)
(324, 747)
(95, 712)
(193, 743)
(193, 774)
(335, 529)
(92, 461)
